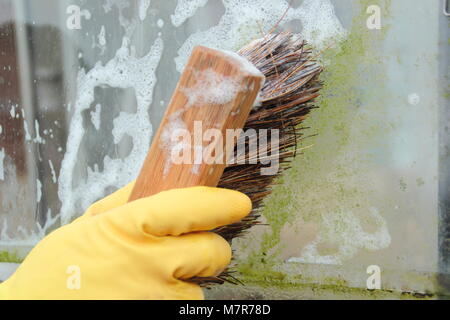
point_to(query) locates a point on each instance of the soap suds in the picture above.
(320, 23)
(38, 190)
(27, 132)
(245, 64)
(143, 7)
(211, 88)
(243, 20)
(185, 9)
(95, 116)
(346, 230)
(38, 138)
(101, 37)
(125, 70)
(12, 111)
(50, 163)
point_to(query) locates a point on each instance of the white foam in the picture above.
(27, 132)
(143, 7)
(38, 138)
(245, 64)
(52, 168)
(95, 116)
(349, 236)
(185, 9)
(125, 70)
(320, 23)
(38, 190)
(160, 23)
(317, 17)
(102, 36)
(12, 111)
(212, 88)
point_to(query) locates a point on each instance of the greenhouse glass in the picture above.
(84, 85)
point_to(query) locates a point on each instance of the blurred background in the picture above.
(84, 84)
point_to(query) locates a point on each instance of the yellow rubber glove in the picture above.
(138, 250)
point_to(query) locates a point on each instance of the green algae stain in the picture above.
(316, 183)
(6, 256)
(420, 182)
(403, 185)
(329, 291)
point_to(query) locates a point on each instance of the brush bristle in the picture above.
(292, 83)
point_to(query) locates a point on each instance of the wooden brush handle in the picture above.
(216, 91)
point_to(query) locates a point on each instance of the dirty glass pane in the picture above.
(84, 85)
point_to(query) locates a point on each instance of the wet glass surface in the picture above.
(84, 85)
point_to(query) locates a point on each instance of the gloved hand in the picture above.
(144, 249)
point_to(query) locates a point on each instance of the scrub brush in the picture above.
(285, 99)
